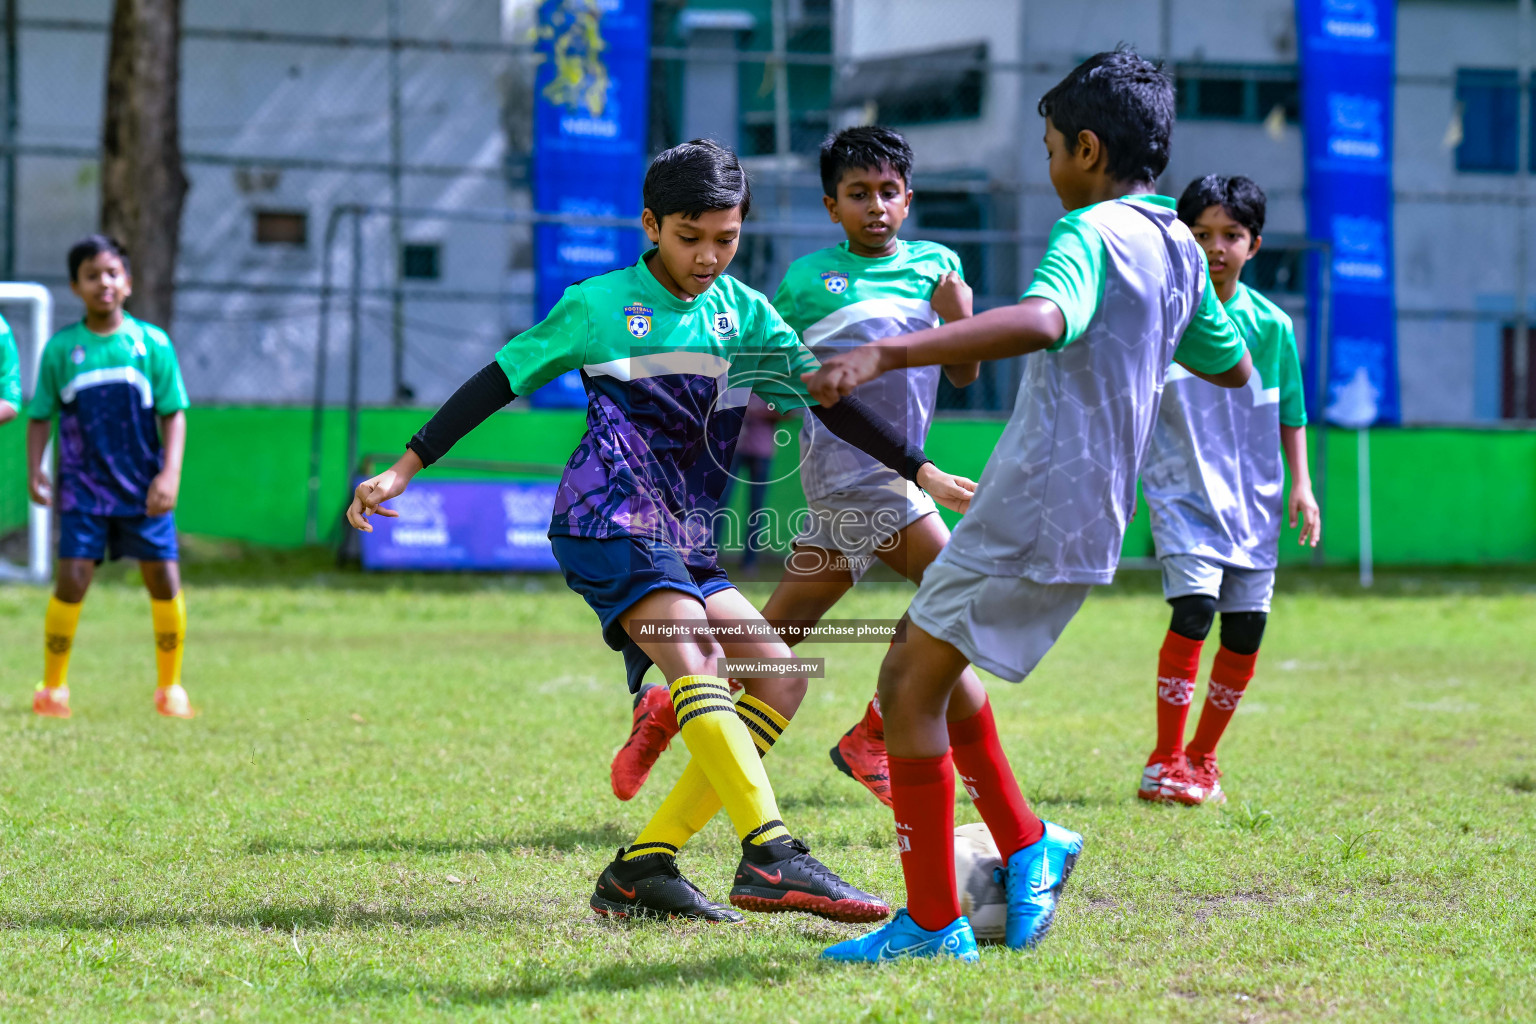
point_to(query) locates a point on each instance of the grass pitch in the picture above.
(395, 802)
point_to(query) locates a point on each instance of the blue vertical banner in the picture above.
(1347, 61)
(591, 96)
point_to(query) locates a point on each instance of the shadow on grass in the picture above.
(282, 917)
(543, 982)
(608, 834)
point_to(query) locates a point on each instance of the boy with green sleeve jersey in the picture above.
(1120, 294)
(1213, 482)
(115, 387)
(873, 285)
(670, 352)
(10, 374)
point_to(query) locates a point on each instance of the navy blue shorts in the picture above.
(142, 538)
(612, 573)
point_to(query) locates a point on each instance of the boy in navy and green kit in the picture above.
(670, 352)
(1213, 482)
(114, 385)
(872, 285)
(1121, 293)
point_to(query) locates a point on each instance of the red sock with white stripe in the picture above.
(1229, 681)
(923, 793)
(989, 780)
(1177, 666)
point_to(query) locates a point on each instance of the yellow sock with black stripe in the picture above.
(170, 619)
(59, 624)
(693, 801)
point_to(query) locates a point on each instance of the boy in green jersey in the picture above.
(115, 387)
(1213, 481)
(10, 375)
(670, 352)
(873, 285)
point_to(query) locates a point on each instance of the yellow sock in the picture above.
(693, 801)
(170, 618)
(722, 747)
(59, 623)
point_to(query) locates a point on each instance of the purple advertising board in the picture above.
(448, 525)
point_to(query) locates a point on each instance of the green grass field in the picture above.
(396, 799)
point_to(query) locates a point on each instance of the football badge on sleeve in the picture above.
(836, 281)
(638, 319)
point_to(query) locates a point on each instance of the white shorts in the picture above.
(861, 519)
(1235, 590)
(1004, 624)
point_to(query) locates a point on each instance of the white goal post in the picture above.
(40, 302)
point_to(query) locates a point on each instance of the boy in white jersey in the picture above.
(1121, 292)
(1213, 480)
(871, 286)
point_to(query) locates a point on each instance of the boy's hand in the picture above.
(1305, 505)
(371, 493)
(951, 298)
(162, 494)
(953, 492)
(839, 375)
(41, 487)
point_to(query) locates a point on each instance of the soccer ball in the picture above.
(981, 893)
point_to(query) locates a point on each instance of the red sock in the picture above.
(1229, 680)
(1177, 666)
(923, 791)
(873, 722)
(984, 771)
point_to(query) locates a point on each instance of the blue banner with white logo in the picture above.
(589, 141)
(1347, 58)
(449, 525)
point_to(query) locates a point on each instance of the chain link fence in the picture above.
(424, 111)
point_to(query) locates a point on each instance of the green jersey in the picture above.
(838, 301)
(1214, 473)
(667, 383)
(108, 392)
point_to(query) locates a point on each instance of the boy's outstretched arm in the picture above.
(1027, 326)
(1236, 377)
(854, 422)
(7, 412)
(1302, 503)
(952, 299)
(478, 397)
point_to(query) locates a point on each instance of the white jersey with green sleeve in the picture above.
(838, 301)
(1132, 286)
(1214, 475)
(667, 383)
(10, 367)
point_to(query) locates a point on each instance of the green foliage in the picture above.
(395, 802)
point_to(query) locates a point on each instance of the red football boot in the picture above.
(655, 725)
(861, 756)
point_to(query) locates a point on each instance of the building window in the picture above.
(923, 87)
(282, 227)
(1517, 390)
(1489, 104)
(1277, 270)
(421, 261)
(1237, 92)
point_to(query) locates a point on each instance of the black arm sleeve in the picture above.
(852, 420)
(478, 397)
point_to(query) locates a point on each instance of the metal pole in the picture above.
(1324, 330)
(317, 419)
(12, 123)
(1363, 467)
(396, 239)
(781, 141)
(355, 347)
(1521, 369)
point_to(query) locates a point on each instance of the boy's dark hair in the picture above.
(1241, 197)
(91, 246)
(1126, 101)
(865, 146)
(694, 178)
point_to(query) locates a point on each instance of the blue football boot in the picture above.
(902, 937)
(1033, 879)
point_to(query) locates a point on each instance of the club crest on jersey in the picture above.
(835, 281)
(724, 324)
(638, 319)
(78, 355)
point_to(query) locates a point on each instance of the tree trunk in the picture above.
(142, 184)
